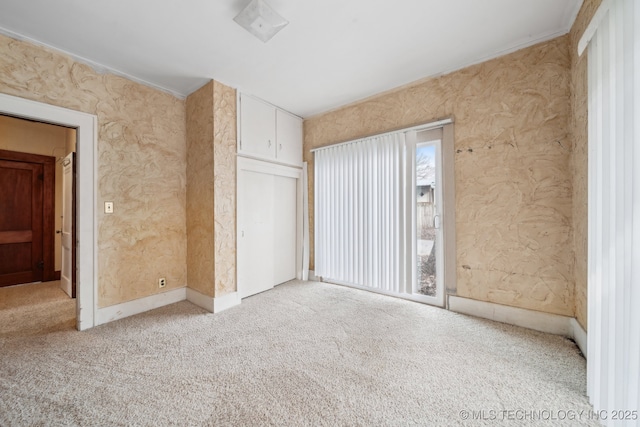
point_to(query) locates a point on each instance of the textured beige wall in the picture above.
(200, 261)
(25, 136)
(224, 159)
(211, 188)
(512, 169)
(141, 165)
(578, 128)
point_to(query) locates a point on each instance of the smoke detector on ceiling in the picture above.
(260, 20)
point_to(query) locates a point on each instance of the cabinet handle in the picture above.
(269, 142)
(280, 147)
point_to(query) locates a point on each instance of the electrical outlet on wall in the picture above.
(162, 282)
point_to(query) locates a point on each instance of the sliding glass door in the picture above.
(426, 219)
(379, 214)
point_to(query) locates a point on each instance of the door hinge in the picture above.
(41, 265)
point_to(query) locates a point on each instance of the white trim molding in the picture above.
(305, 222)
(200, 299)
(536, 320)
(590, 31)
(213, 304)
(141, 305)
(225, 302)
(579, 336)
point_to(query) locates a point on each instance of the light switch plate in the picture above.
(108, 207)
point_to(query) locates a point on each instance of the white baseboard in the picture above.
(130, 308)
(579, 336)
(536, 320)
(213, 305)
(225, 302)
(312, 276)
(200, 299)
(126, 309)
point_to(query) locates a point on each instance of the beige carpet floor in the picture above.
(302, 354)
(35, 308)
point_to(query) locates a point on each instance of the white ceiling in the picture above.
(332, 53)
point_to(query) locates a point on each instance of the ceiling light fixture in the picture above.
(260, 20)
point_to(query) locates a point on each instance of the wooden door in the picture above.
(27, 200)
(67, 273)
(21, 222)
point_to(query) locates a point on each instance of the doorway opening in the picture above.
(37, 280)
(85, 193)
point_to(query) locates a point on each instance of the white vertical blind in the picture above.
(359, 213)
(613, 362)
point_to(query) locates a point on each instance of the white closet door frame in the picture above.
(259, 166)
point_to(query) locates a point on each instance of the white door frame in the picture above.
(86, 193)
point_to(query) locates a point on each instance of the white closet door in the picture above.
(284, 229)
(255, 243)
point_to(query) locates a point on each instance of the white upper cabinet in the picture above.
(289, 138)
(269, 133)
(257, 128)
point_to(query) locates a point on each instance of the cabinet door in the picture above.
(285, 227)
(289, 138)
(256, 236)
(257, 128)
